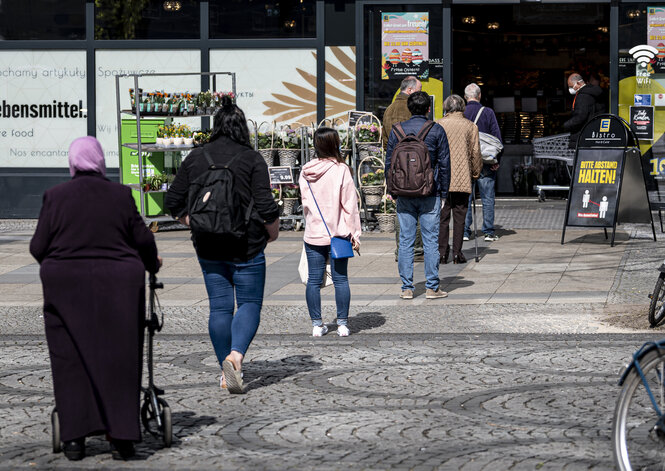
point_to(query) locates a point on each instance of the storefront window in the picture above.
(147, 19)
(33, 19)
(642, 86)
(251, 19)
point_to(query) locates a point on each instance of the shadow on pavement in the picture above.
(261, 373)
(366, 321)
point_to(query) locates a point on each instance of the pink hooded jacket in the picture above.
(335, 192)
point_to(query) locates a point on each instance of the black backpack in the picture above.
(214, 205)
(411, 172)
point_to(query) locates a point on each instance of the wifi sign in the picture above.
(643, 53)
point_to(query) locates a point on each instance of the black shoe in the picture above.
(122, 449)
(74, 449)
(459, 258)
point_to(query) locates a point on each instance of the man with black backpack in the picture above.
(418, 175)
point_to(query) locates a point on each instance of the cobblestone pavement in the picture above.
(370, 401)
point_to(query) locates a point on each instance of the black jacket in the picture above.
(584, 108)
(251, 181)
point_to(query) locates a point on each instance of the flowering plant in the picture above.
(291, 191)
(374, 178)
(289, 139)
(201, 137)
(389, 204)
(367, 133)
(265, 140)
(344, 137)
(275, 193)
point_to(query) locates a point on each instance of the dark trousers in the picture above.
(458, 203)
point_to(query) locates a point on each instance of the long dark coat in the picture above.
(94, 248)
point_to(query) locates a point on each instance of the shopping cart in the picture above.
(554, 148)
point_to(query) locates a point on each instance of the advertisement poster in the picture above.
(404, 45)
(595, 187)
(43, 106)
(656, 29)
(641, 121)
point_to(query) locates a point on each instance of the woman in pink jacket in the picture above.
(329, 179)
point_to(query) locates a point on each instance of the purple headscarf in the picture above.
(86, 155)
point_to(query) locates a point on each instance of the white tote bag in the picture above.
(303, 271)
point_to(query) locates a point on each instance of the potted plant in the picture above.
(386, 218)
(290, 194)
(368, 137)
(159, 141)
(276, 196)
(289, 146)
(265, 141)
(177, 135)
(201, 138)
(187, 140)
(372, 185)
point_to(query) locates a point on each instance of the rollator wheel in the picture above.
(55, 432)
(151, 425)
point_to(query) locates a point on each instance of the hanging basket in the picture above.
(289, 205)
(373, 194)
(267, 155)
(386, 221)
(288, 157)
(368, 149)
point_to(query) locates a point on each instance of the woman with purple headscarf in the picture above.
(94, 249)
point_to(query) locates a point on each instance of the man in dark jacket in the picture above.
(396, 113)
(486, 183)
(425, 209)
(584, 105)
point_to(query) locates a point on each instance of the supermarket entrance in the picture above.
(521, 55)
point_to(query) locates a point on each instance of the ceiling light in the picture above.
(602, 29)
(493, 25)
(172, 5)
(469, 20)
(633, 13)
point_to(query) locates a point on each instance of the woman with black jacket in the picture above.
(234, 269)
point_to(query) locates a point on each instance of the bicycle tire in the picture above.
(56, 444)
(656, 313)
(167, 425)
(635, 442)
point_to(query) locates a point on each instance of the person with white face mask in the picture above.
(585, 105)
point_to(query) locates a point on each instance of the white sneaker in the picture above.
(343, 331)
(491, 237)
(465, 238)
(319, 331)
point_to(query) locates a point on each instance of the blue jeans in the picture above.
(316, 264)
(486, 188)
(225, 281)
(427, 209)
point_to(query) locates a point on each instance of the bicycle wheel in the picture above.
(638, 434)
(167, 432)
(656, 308)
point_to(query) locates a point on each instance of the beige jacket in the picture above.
(466, 161)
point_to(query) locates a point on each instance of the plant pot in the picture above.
(386, 221)
(288, 157)
(188, 141)
(159, 141)
(267, 156)
(289, 205)
(373, 194)
(177, 141)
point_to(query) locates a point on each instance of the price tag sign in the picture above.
(280, 175)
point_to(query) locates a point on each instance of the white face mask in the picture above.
(572, 91)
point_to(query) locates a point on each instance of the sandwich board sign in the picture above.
(600, 160)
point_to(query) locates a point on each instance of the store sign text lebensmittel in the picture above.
(404, 45)
(42, 106)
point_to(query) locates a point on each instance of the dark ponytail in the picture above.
(230, 121)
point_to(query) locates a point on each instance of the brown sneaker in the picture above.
(406, 294)
(431, 294)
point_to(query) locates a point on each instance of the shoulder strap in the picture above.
(399, 131)
(317, 207)
(425, 129)
(475, 121)
(212, 164)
